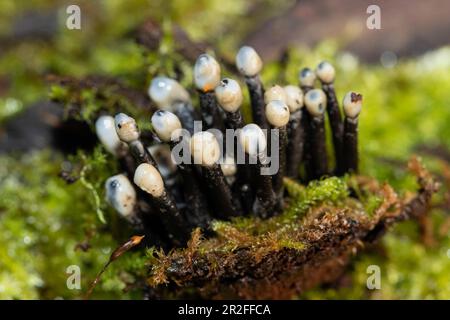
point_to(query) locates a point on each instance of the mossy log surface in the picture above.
(236, 264)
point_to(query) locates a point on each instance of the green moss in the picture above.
(42, 218)
(331, 190)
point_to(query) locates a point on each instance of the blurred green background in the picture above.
(406, 88)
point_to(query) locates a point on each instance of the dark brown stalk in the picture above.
(187, 115)
(234, 120)
(220, 196)
(140, 153)
(197, 215)
(210, 111)
(265, 202)
(256, 92)
(295, 147)
(318, 147)
(337, 129)
(173, 221)
(306, 124)
(350, 145)
(277, 179)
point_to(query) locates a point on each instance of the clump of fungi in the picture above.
(205, 189)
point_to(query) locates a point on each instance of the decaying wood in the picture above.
(330, 235)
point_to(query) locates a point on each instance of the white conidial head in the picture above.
(294, 97)
(165, 91)
(306, 77)
(121, 195)
(148, 178)
(315, 102)
(228, 166)
(166, 125)
(126, 127)
(106, 133)
(229, 95)
(206, 73)
(205, 149)
(277, 113)
(248, 61)
(252, 139)
(325, 72)
(275, 93)
(352, 104)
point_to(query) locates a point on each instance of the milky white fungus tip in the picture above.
(165, 91)
(228, 166)
(206, 73)
(248, 61)
(277, 113)
(121, 195)
(126, 127)
(252, 139)
(307, 77)
(315, 102)
(166, 125)
(229, 95)
(275, 93)
(352, 104)
(148, 178)
(205, 149)
(106, 133)
(294, 97)
(325, 72)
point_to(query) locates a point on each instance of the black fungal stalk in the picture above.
(277, 114)
(168, 129)
(249, 65)
(326, 74)
(307, 78)
(254, 143)
(295, 131)
(352, 107)
(205, 151)
(315, 103)
(148, 178)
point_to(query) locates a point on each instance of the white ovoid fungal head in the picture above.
(306, 77)
(294, 97)
(229, 95)
(315, 102)
(126, 127)
(206, 73)
(148, 178)
(277, 113)
(325, 72)
(205, 149)
(252, 139)
(275, 93)
(248, 61)
(121, 195)
(228, 166)
(352, 104)
(165, 92)
(166, 125)
(106, 133)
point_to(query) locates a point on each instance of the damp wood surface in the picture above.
(310, 250)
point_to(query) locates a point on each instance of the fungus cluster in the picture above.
(205, 180)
